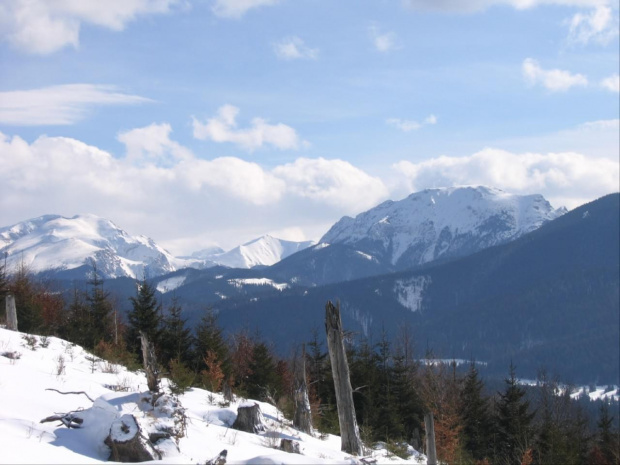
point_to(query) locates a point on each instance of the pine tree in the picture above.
(78, 321)
(208, 337)
(145, 316)
(410, 410)
(607, 441)
(513, 417)
(475, 415)
(262, 381)
(175, 338)
(100, 309)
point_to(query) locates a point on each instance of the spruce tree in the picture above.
(262, 381)
(208, 338)
(100, 309)
(475, 414)
(175, 338)
(513, 417)
(145, 316)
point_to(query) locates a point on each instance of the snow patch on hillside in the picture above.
(257, 282)
(410, 292)
(170, 284)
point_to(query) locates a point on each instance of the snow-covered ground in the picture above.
(28, 381)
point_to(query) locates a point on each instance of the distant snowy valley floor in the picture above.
(28, 380)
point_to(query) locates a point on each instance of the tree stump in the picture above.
(290, 446)
(249, 418)
(219, 460)
(350, 439)
(127, 444)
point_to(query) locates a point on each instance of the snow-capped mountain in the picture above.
(53, 242)
(441, 223)
(264, 251)
(59, 243)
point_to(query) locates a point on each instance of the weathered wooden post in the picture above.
(349, 432)
(11, 312)
(431, 451)
(302, 419)
(150, 364)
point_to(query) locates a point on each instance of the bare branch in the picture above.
(71, 392)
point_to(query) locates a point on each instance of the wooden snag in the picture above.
(351, 441)
(302, 419)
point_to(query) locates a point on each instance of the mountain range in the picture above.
(55, 243)
(473, 272)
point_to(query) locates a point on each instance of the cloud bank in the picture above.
(564, 178)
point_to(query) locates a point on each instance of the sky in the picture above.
(213, 122)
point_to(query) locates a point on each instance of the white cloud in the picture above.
(59, 105)
(334, 182)
(382, 41)
(612, 83)
(237, 8)
(293, 48)
(599, 25)
(555, 80)
(564, 178)
(223, 128)
(153, 144)
(160, 188)
(410, 125)
(45, 26)
(479, 5)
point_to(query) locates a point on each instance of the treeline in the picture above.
(392, 389)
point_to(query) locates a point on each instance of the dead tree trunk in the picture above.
(150, 364)
(349, 432)
(431, 451)
(303, 417)
(11, 312)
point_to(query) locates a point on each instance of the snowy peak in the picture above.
(56, 242)
(443, 222)
(264, 251)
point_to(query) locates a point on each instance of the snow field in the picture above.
(26, 398)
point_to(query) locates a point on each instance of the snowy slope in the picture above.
(56, 242)
(115, 392)
(443, 222)
(265, 250)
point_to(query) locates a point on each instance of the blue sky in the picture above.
(202, 122)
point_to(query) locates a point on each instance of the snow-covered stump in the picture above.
(11, 312)
(127, 443)
(249, 418)
(290, 446)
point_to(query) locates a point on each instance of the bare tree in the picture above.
(349, 431)
(303, 416)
